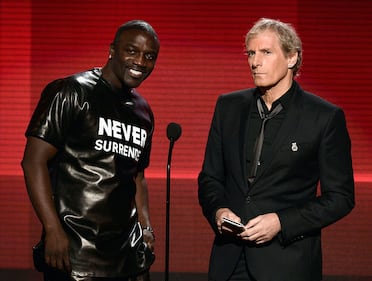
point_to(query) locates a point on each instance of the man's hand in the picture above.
(262, 229)
(57, 250)
(149, 238)
(225, 213)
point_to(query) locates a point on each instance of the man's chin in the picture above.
(260, 82)
(133, 83)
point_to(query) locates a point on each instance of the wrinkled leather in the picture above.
(93, 172)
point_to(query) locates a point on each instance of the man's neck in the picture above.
(271, 94)
(114, 82)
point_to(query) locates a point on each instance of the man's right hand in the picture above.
(225, 213)
(57, 250)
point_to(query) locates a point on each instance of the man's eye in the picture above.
(249, 53)
(130, 51)
(150, 56)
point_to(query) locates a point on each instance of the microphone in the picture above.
(174, 131)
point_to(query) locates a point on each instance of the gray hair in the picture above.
(289, 40)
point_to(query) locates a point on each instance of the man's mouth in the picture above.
(135, 73)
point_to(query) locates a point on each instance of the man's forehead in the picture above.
(266, 37)
(131, 34)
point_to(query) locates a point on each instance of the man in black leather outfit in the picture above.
(88, 144)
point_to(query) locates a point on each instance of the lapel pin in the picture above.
(294, 147)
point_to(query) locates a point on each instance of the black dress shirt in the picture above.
(271, 129)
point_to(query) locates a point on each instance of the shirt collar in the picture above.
(285, 99)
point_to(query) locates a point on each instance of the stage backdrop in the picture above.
(201, 56)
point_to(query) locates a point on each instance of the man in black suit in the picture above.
(267, 151)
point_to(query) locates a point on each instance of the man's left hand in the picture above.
(262, 229)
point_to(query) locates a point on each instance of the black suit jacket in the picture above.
(312, 146)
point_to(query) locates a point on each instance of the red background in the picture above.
(201, 57)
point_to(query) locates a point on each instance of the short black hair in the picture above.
(136, 24)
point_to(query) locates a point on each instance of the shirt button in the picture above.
(248, 199)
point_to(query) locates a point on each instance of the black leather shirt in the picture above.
(103, 139)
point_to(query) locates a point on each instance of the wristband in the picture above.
(149, 228)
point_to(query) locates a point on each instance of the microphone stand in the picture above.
(167, 212)
(173, 133)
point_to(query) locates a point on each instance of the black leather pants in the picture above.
(61, 276)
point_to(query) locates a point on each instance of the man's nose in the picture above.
(256, 61)
(140, 59)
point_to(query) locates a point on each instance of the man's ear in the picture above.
(292, 59)
(111, 51)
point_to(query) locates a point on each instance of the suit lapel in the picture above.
(244, 131)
